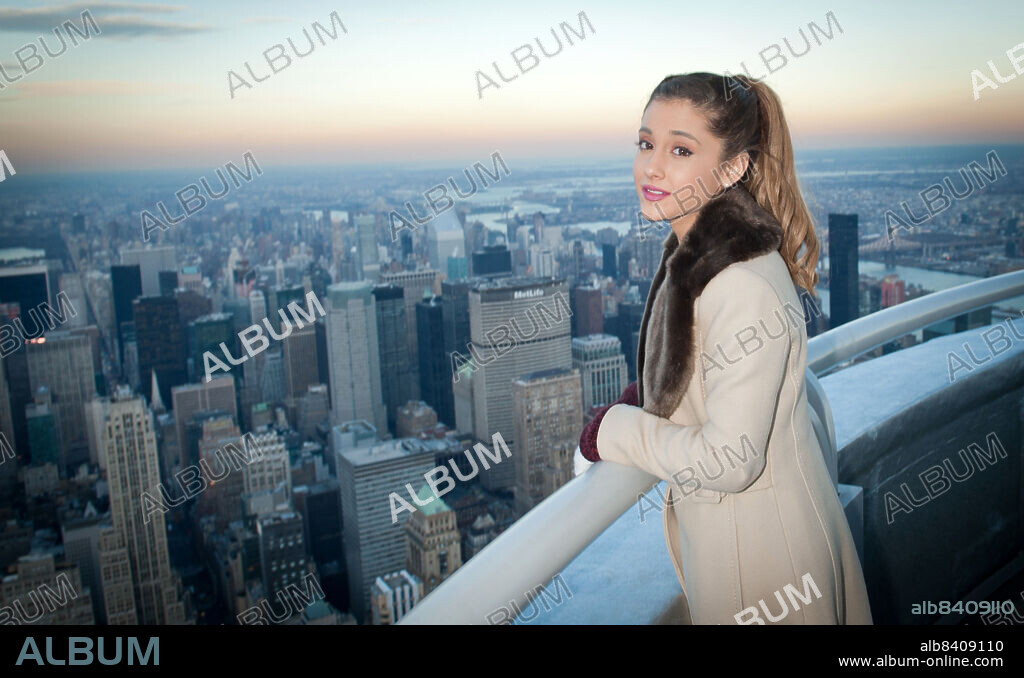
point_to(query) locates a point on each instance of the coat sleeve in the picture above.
(744, 369)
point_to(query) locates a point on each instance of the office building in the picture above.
(434, 367)
(319, 504)
(517, 326)
(608, 267)
(602, 368)
(205, 335)
(627, 324)
(43, 430)
(414, 418)
(40, 592)
(283, 555)
(445, 238)
(455, 315)
(548, 421)
(353, 354)
(216, 395)
(587, 311)
(492, 261)
(133, 476)
(81, 538)
(394, 595)
(161, 341)
(416, 285)
(62, 362)
(369, 472)
(301, 363)
(117, 581)
(844, 276)
(433, 540)
(267, 477)
(397, 367)
(366, 236)
(151, 261)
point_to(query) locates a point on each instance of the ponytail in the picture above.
(772, 182)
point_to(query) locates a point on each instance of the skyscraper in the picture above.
(268, 479)
(320, 507)
(223, 499)
(62, 361)
(608, 267)
(23, 593)
(588, 311)
(844, 276)
(277, 305)
(445, 238)
(283, 553)
(301, 364)
(435, 368)
(151, 260)
(133, 474)
(455, 299)
(518, 325)
(116, 580)
(205, 334)
(81, 538)
(602, 367)
(8, 458)
(191, 399)
(433, 541)
(366, 234)
(396, 364)
(352, 348)
(548, 421)
(577, 260)
(492, 261)
(369, 471)
(630, 315)
(43, 431)
(394, 594)
(415, 285)
(161, 343)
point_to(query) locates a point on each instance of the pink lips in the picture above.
(652, 193)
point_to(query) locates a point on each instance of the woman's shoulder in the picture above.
(758, 282)
(766, 269)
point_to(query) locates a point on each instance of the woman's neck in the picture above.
(682, 224)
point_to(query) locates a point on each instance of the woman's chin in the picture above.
(653, 213)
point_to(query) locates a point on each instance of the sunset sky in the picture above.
(152, 90)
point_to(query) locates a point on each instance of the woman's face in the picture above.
(678, 161)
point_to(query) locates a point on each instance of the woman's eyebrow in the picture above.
(673, 131)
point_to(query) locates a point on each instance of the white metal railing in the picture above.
(541, 543)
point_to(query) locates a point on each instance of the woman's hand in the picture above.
(588, 439)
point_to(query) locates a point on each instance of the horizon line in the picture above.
(536, 161)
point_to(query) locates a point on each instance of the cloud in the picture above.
(113, 19)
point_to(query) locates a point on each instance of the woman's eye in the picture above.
(643, 144)
(685, 151)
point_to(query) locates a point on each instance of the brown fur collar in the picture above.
(732, 227)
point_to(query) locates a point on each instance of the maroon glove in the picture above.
(588, 439)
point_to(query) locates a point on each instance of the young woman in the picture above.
(719, 410)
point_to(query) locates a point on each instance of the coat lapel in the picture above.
(730, 228)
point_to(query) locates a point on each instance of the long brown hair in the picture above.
(747, 116)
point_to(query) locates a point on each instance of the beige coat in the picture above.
(752, 521)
